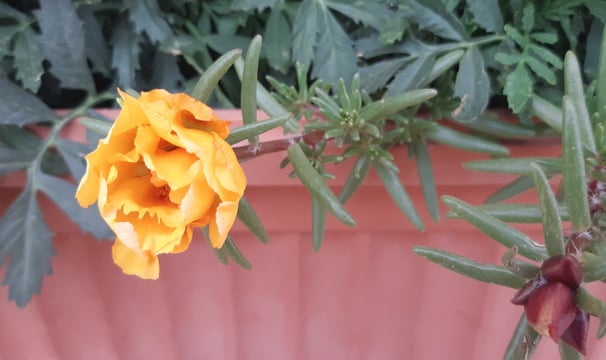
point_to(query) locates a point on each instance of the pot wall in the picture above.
(363, 296)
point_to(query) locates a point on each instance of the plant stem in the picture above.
(246, 152)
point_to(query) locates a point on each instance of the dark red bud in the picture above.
(522, 296)
(576, 334)
(551, 309)
(563, 268)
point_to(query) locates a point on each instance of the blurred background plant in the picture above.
(347, 80)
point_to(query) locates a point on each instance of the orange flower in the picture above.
(163, 169)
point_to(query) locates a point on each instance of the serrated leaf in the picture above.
(223, 43)
(508, 59)
(411, 76)
(19, 107)
(334, 56)
(167, 74)
(62, 43)
(73, 153)
(125, 54)
(528, 18)
(515, 35)
(6, 35)
(487, 14)
(248, 5)
(472, 86)
(25, 244)
(28, 61)
(518, 88)
(544, 37)
(541, 70)
(433, 16)
(277, 40)
(547, 55)
(305, 31)
(96, 47)
(369, 13)
(11, 160)
(375, 76)
(62, 193)
(147, 18)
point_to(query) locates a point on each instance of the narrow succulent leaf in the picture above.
(489, 273)
(316, 184)
(552, 225)
(591, 304)
(448, 136)
(575, 180)
(499, 128)
(523, 342)
(426, 177)
(472, 86)
(346, 103)
(514, 213)
(398, 193)
(573, 84)
(221, 254)
(248, 95)
(25, 244)
(594, 267)
(546, 111)
(518, 166)
(254, 129)
(249, 218)
(210, 78)
(442, 64)
(355, 179)
(395, 104)
(568, 353)
(235, 254)
(496, 229)
(515, 187)
(411, 76)
(318, 223)
(20, 107)
(601, 84)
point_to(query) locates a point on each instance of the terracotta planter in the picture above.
(363, 296)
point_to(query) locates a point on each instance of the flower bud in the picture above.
(576, 334)
(563, 268)
(551, 309)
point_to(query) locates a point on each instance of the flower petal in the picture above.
(143, 264)
(222, 222)
(551, 309)
(563, 268)
(576, 334)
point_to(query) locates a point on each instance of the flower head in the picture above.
(163, 169)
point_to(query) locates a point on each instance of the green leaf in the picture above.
(375, 76)
(443, 64)
(355, 178)
(528, 18)
(544, 53)
(597, 8)
(448, 136)
(411, 76)
(62, 43)
(96, 47)
(515, 187)
(28, 61)
(6, 36)
(334, 57)
(249, 218)
(516, 36)
(486, 14)
(499, 128)
(19, 107)
(545, 37)
(305, 31)
(62, 194)
(369, 13)
(426, 177)
(316, 184)
(508, 59)
(594, 267)
(573, 84)
(601, 84)
(488, 273)
(210, 78)
(73, 153)
(277, 40)
(125, 54)
(398, 193)
(230, 248)
(591, 304)
(542, 70)
(432, 15)
(248, 95)
(552, 225)
(472, 86)
(166, 75)
(496, 229)
(248, 5)
(245, 131)
(11, 160)
(568, 353)
(148, 19)
(25, 244)
(518, 88)
(575, 179)
(523, 342)
(318, 223)
(514, 213)
(394, 104)
(518, 166)
(549, 113)
(7, 11)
